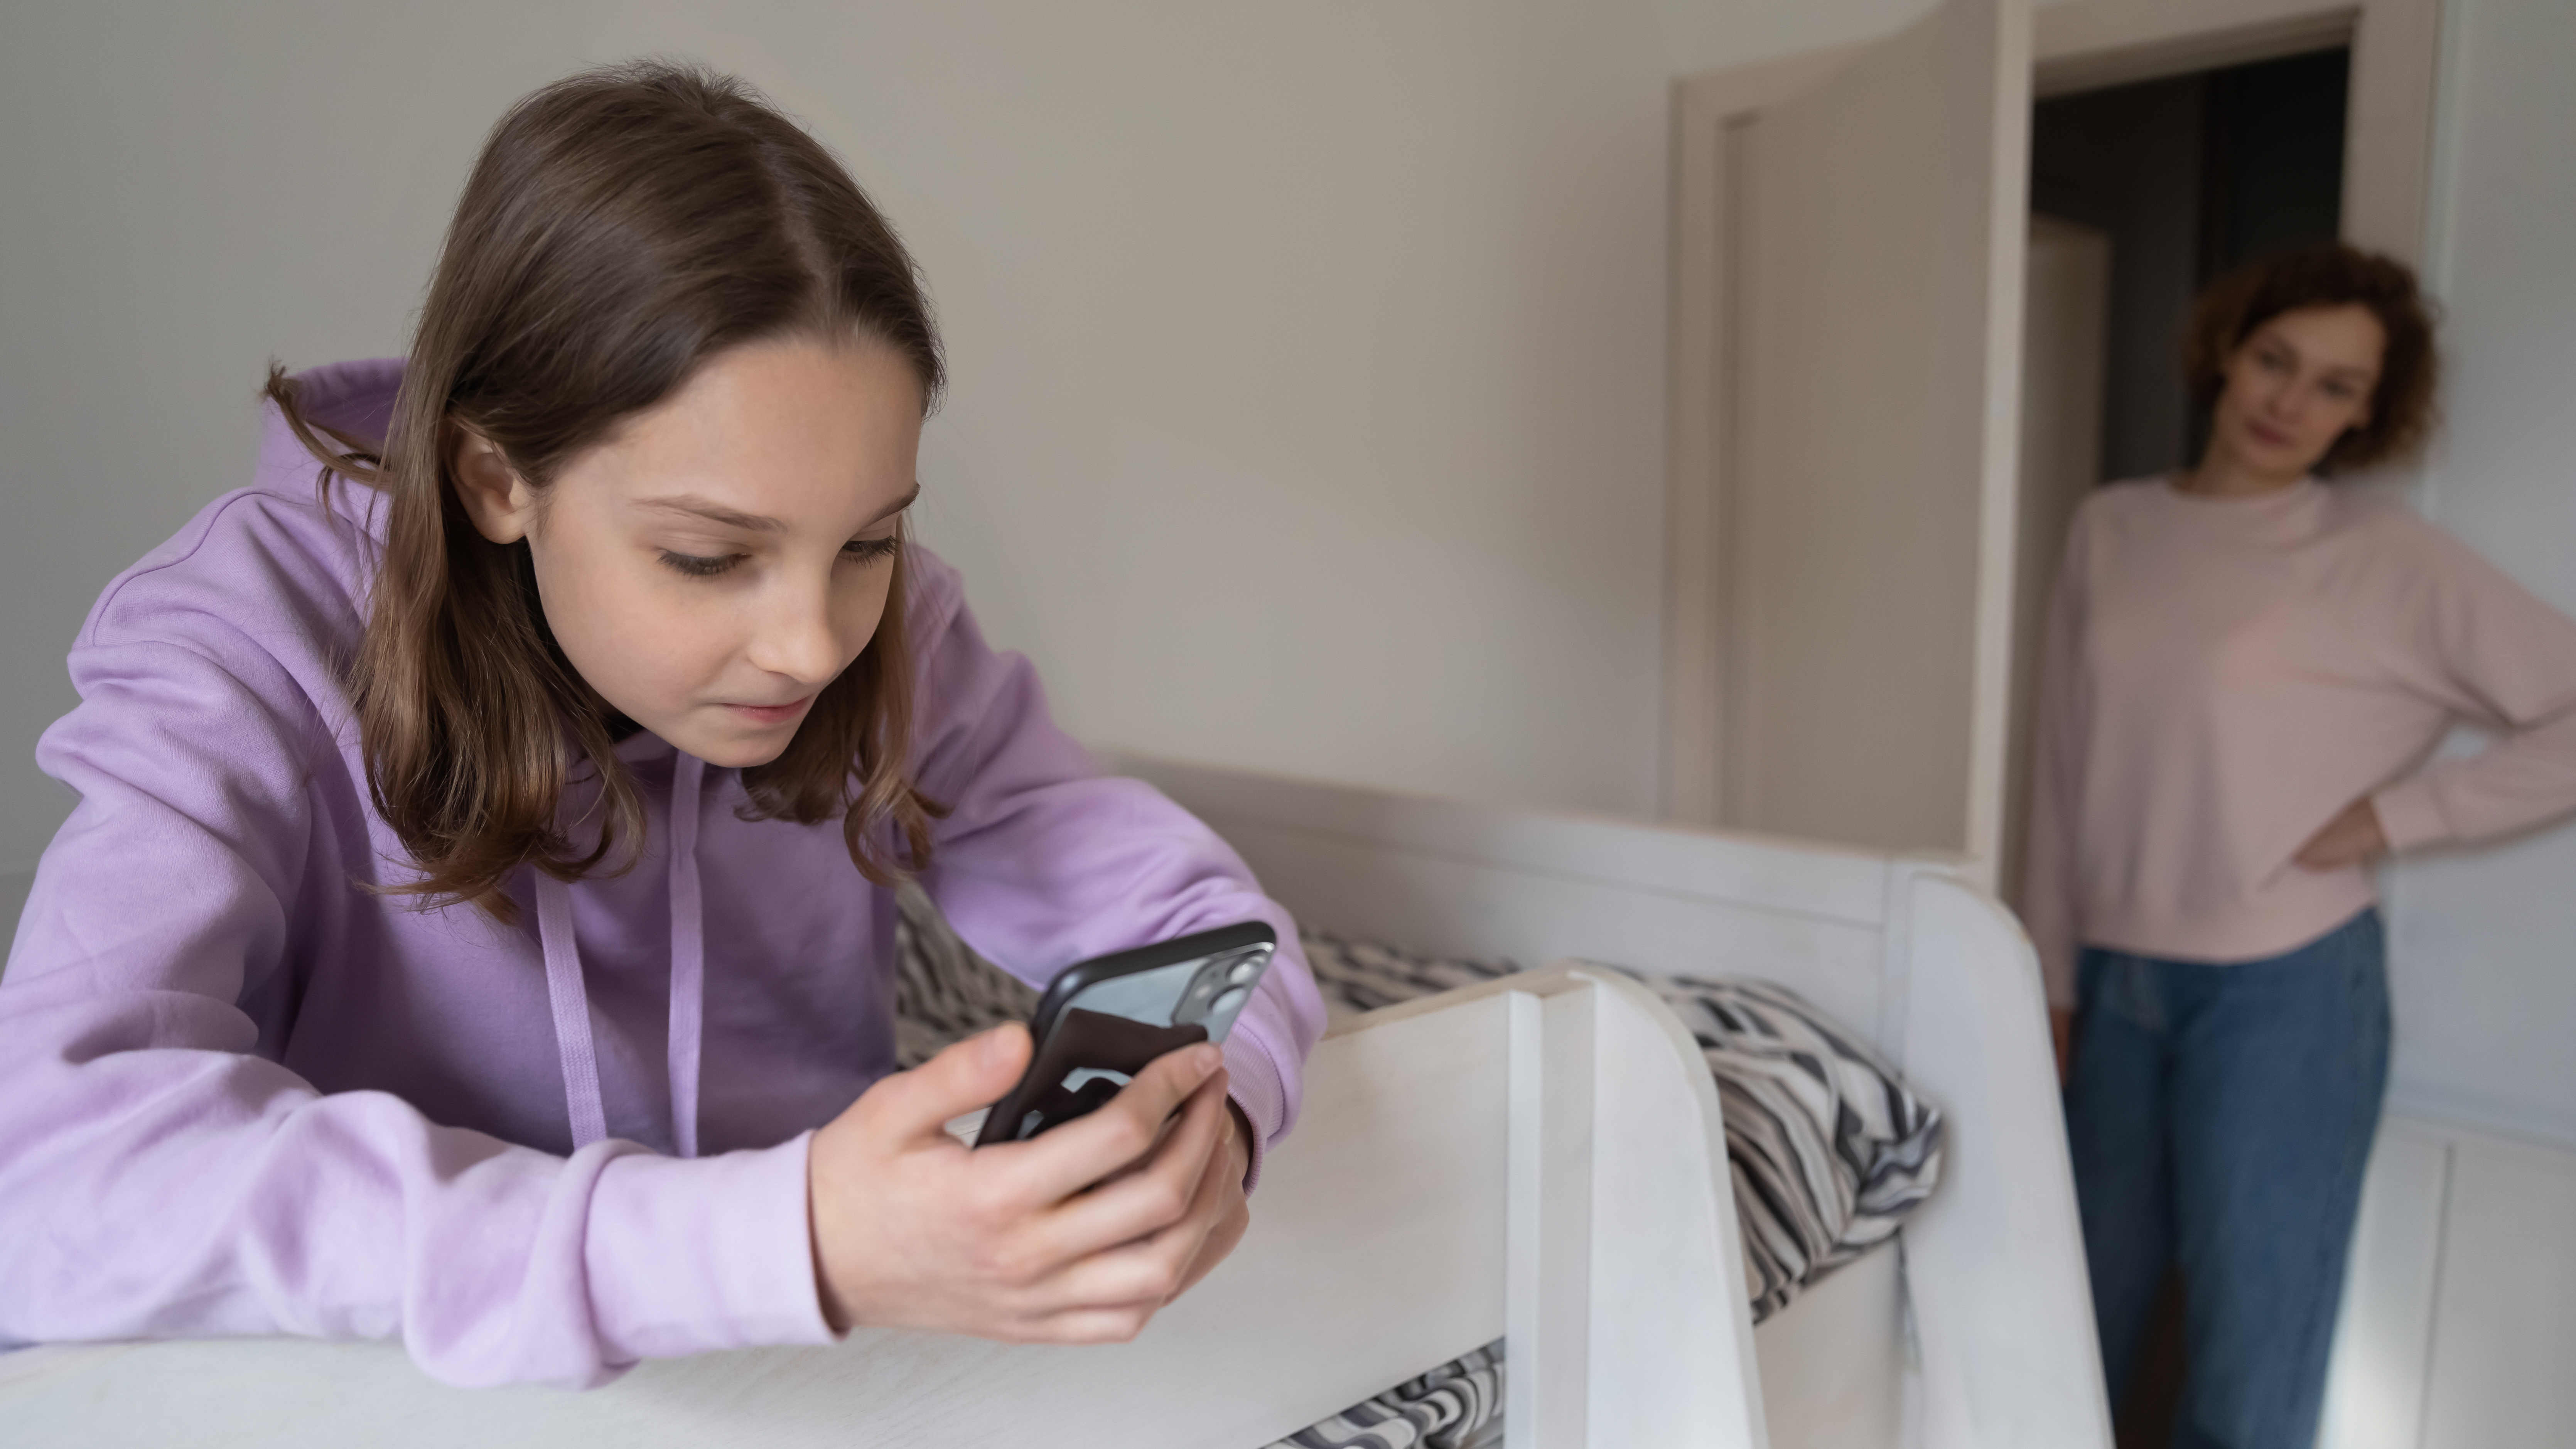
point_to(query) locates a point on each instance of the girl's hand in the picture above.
(1075, 1237)
(2352, 838)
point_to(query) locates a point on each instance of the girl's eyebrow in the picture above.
(898, 506)
(714, 512)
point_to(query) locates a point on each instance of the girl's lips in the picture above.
(2267, 436)
(771, 714)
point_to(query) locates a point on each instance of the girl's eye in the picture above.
(869, 550)
(698, 567)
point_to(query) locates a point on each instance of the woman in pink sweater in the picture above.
(2243, 667)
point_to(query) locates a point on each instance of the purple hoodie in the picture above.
(242, 1092)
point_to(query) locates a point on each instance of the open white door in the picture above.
(1849, 290)
(2066, 306)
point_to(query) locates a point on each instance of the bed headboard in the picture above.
(1451, 878)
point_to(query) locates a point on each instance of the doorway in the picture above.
(2187, 178)
(2141, 195)
(1849, 583)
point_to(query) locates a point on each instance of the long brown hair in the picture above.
(2328, 274)
(621, 227)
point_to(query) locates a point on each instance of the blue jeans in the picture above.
(2220, 1118)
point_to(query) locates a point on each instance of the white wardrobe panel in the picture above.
(2504, 1329)
(2383, 1341)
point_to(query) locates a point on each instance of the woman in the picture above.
(2242, 664)
(475, 924)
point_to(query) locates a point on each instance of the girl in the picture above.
(2242, 662)
(475, 923)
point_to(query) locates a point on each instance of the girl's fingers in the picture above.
(1086, 1325)
(1162, 1192)
(1081, 1153)
(1152, 1269)
(919, 1104)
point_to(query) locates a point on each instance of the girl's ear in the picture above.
(499, 501)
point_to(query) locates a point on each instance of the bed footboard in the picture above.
(1898, 945)
(1541, 1155)
(1995, 1259)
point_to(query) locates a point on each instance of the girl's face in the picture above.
(726, 553)
(2295, 385)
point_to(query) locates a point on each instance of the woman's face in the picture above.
(725, 554)
(2294, 386)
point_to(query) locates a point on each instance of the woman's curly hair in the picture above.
(2329, 274)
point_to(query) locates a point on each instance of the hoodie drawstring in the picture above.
(570, 1000)
(688, 954)
(572, 1012)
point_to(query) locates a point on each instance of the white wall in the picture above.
(1309, 358)
(2484, 940)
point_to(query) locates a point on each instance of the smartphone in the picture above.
(1103, 1019)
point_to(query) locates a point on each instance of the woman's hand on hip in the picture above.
(1077, 1236)
(2352, 838)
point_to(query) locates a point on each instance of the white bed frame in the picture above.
(1540, 1156)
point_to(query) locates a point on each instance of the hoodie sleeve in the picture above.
(1043, 861)
(163, 1175)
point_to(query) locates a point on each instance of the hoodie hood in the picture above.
(357, 399)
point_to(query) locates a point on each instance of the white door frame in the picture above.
(2396, 46)
(2396, 55)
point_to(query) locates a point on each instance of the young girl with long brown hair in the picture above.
(475, 924)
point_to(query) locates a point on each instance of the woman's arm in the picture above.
(2483, 647)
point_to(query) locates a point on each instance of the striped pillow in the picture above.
(1828, 1148)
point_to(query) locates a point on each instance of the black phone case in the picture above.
(1070, 1039)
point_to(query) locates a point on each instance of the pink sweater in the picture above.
(2221, 677)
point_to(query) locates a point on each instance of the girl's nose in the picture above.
(797, 637)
